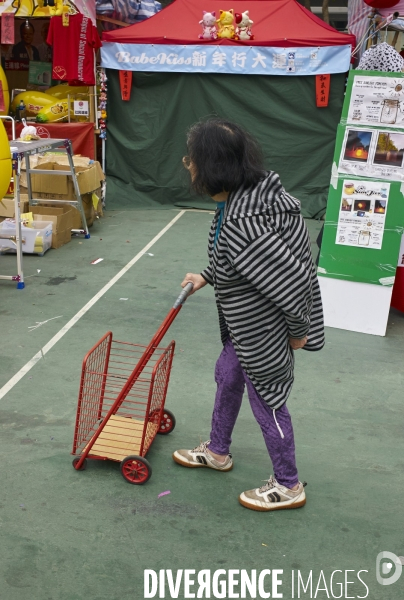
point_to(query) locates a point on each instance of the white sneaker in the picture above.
(273, 496)
(200, 457)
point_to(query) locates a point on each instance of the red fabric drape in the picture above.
(80, 134)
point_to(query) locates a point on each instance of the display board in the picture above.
(365, 210)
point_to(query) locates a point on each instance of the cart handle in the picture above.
(184, 295)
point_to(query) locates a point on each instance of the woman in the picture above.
(268, 300)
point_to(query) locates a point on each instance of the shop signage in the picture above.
(80, 107)
(246, 60)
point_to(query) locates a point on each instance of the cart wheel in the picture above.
(167, 422)
(136, 470)
(83, 466)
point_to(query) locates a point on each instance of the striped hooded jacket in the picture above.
(265, 284)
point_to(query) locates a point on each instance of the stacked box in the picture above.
(7, 207)
(89, 179)
(61, 219)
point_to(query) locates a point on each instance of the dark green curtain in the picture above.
(146, 136)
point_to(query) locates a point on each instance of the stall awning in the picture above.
(277, 23)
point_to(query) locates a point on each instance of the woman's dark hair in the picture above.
(224, 156)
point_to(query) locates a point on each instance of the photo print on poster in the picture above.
(357, 145)
(373, 153)
(389, 149)
(362, 213)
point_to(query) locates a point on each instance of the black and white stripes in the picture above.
(265, 284)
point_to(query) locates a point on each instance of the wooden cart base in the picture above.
(121, 437)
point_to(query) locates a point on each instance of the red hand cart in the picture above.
(122, 393)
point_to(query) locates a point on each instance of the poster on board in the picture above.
(401, 254)
(373, 153)
(377, 101)
(29, 45)
(362, 214)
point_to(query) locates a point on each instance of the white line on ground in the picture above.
(41, 354)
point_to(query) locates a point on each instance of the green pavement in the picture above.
(68, 535)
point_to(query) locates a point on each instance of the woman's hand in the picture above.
(296, 343)
(198, 281)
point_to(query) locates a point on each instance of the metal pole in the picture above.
(17, 213)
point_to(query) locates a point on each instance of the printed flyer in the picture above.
(377, 101)
(362, 214)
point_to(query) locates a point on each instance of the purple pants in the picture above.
(231, 380)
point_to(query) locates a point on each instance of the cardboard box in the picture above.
(10, 190)
(61, 219)
(58, 187)
(7, 207)
(88, 211)
(92, 206)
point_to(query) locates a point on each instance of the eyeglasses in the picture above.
(186, 161)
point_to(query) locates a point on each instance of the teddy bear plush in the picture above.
(243, 29)
(226, 27)
(209, 29)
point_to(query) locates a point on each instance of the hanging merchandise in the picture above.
(127, 11)
(73, 49)
(359, 23)
(386, 11)
(102, 106)
(382, 58)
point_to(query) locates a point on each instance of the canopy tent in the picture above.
(179, 79)
(283, 23)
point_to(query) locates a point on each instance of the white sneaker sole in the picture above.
(181, 460)
(268, 506)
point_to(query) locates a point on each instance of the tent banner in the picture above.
(242, 60)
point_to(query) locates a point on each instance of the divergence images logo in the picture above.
(388, 563)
